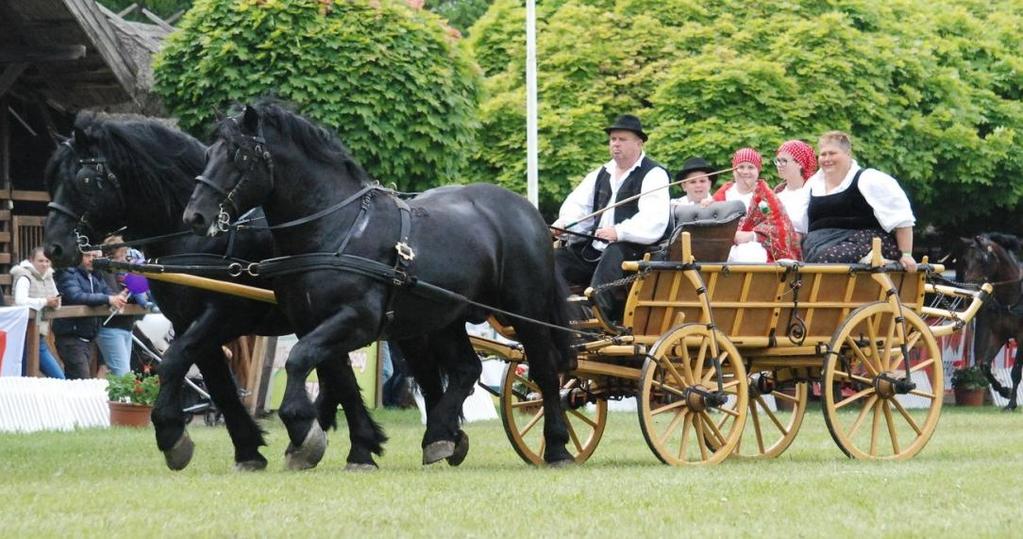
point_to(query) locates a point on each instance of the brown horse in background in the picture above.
(990, 258)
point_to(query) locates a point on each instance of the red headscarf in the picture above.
(748, 155)
(803, 154)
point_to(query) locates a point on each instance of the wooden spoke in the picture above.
(854, 397)
(905, 415)
(680, 393)
(774, 419)
(863, 414)
(583, 417)
(893, 433)
(532, 422)
(875, 429)
(784, 396)
(719, 439)
(855, 347)
(922, 365)
(681, 417)
(924, 394)
(700, 438)
(846, 376)
(684, 444)
(758, 434)
(668, 407)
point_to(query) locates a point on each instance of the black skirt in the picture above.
(846, 245)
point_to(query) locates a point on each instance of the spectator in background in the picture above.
(75, 336)
(114, 337)
(34, 287)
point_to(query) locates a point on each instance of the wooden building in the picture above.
(58, 57)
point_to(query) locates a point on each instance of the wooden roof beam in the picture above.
(36, 55)
(10, 76)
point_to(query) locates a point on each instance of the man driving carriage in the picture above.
(598, 244)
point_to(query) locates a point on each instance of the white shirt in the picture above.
(796, 202)
(646, 227)
(881, 191)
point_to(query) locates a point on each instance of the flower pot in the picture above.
(969, 397)
(126, 414)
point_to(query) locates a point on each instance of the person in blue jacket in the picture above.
(75, 337)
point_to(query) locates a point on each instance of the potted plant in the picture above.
(969, 385)
(131, 398)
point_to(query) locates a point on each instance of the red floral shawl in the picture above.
(771, 223)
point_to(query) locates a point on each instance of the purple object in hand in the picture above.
(135, 283)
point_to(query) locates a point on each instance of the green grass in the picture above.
(113, 483)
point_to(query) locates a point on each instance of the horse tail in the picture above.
(563, 340)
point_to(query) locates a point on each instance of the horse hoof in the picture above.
(180, 454)
(437, 451)
(564, 463)
(308, 455)
(360, 467)
(254, 465)
(461, 449)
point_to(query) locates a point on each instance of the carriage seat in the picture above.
(712, 230)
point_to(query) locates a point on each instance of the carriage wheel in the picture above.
(770, 432)
(685, 419)
(522, 415)
(866, 406)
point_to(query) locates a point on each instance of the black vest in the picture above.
(847, 210)
(632, 186)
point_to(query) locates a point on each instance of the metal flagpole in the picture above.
(532, 164)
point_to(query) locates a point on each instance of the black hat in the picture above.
(695, 164)
(627, 122)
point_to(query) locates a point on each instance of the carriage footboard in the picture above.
(951, 320)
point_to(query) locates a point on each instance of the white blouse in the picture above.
(733, 194)
(881, 191)
(796, 202)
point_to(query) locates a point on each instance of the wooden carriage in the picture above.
(720, 359)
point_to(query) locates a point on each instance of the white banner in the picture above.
(13, 322)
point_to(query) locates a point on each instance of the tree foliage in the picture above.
(460, 14)
(930, 90)
(389, 79)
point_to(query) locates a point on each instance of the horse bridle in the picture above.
(93, 170)
(245, 159)
(986, 252)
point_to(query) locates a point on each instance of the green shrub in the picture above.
(390, 80)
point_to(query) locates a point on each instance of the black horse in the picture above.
(139, 173)
(360, 263)
(989, 258)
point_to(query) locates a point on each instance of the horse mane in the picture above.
(63, 163)
(317, 141)
(1011, 243)
(154, 162)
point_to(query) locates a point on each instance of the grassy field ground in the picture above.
(113, 483)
